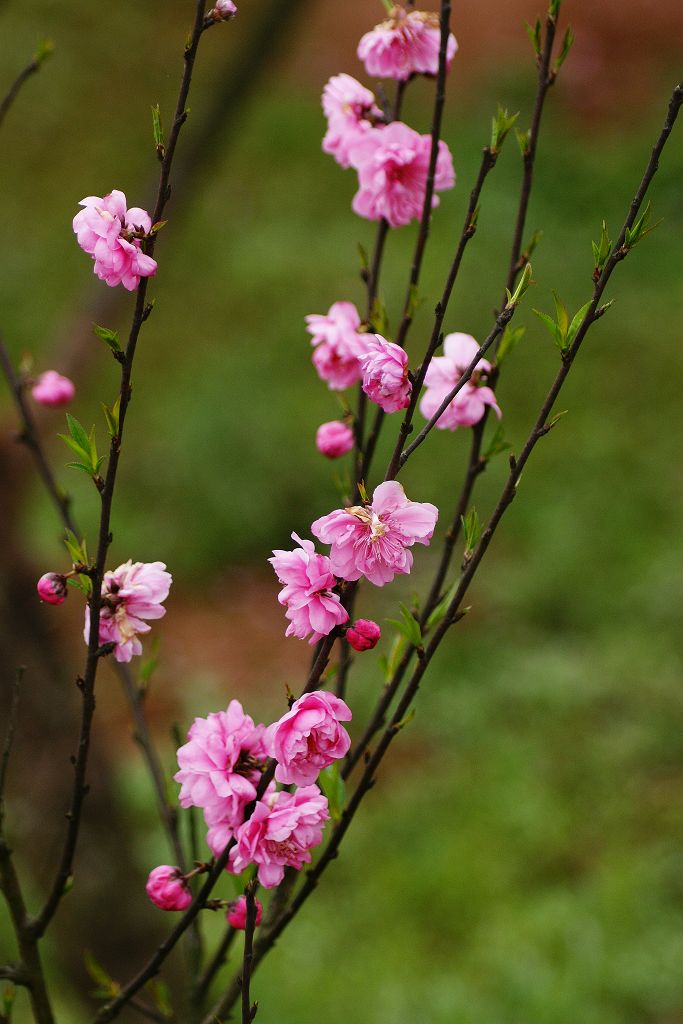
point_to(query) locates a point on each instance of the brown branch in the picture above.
(248, 1011)
(23, 76)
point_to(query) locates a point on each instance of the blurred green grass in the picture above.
(521, 858)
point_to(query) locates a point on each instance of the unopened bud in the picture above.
(363, 635)
(52, 588)
(168, 889)
(223, 10)
(237, 913)
(53, 389)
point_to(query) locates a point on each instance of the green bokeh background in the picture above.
(520, 859)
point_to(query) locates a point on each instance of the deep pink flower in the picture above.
(406, 43)
(224, 817)
(112, 235)
(444, 372)
(363, 635)
(385, 374)
(133, 592)
(52, 588)
(392, 165)
(351, 111)
(53, 389)
(237, 913)
(334, 439)
(167, 889)
(312, 606)
(374, 540)
(337, 345)
(309, 737)
(220, 767)
(280, 833)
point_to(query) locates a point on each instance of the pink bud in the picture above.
(167, 888)
(53, 389)
(237, 913)
(223, 10)
(363, 635)
(52, 588)
(334, 439)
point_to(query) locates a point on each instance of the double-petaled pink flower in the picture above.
(280, 833)
(308, 594)
(351, 111)
(130, 594)
(112, 235)
(220, 767)
(338, 345)
(309, 737)
(375, 540)
(444, 372)
(167, 888)
(406, 43)
(334, 439)
(385, 374)
(53, 389)
(392, 165)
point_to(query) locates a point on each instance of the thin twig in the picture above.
(248, 1011)
(21, 78)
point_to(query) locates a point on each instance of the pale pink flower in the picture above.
(375, 540)
(52, 588)
(351, 111)
(220, 767)
(392, 165)
(309, 737)
(237, 913)
(337, 344)
(167, 889)
(53, 389)
(112, 235)
(312, 606)
(407, 43)
(444, 372)
(363, 635)
(334, 439)
(130, 594)
(222, 10)
(280, 833)
(385, 374)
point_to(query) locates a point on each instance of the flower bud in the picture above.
(167, 888)
(52, 389)
(52, 588)
(363, 635)
(223, 10)
(237, 913)
(334, 439)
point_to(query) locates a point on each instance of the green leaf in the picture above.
(554, 8)
(397, 650)
(161, 996)
(364, 261)
(408, 626)
(497, 443)
(110, 337)
(524, 282)
(156, 126)
(562, 315)
(534, 34)
(84, 453)
(576, 323)
(500, 126)
(471, 528)
(640, 228)
(111, 415)
(334, 788)
(107, 987)
(552, 327)
(523, 139)
(77, 432)
(439, 612)
(379, 319)
(77, 549)
(8, 996)
(511, 338)
(602, 249)
(414, 302)
(79, 465)
(149, 665)
(567, 44)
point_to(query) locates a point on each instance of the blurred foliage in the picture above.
(522, 861)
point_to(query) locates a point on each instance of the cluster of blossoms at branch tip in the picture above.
(443, 374)
(53, 389)
(113, 234)
(407, 43)
(132, 593)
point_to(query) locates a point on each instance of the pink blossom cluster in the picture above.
(444, 372)
(112, 234)
(131, 594)
(391, 159)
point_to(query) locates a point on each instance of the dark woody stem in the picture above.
(23, 76)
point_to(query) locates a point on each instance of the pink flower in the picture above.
(374, 540)
(52, 588)
(237, 913)
(113, 235)
(167, 889)
(133, 592)
(363, 635)
(385, 374)
(444, 372)
(337, 345)
(309, 737)
(53, 389)
(392, 165)
(407, 43)
(334, 439)
(351, 111)
(220, 768)
(280, 833)
(312, 607)
(222, 10)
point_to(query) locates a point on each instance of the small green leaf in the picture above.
(111, 415)
(562, 315)
(363, 493)
(500, 126)
(524, 282)
(161, 996)
(554, 8)
(442, 607)
(77, 432)
(602, 249)
(532, 244)
(149, 665)
(379, 319)
(390, 664)
(552, 327)
(8, 996)
(408, 626)
(79, 465)
(75, 448)
(77, 549)
(107, 987)
(471, 528)
(640, 228)
(534, 34)
(497, 443)
(576, 323)
(157, 127)
(567, 44)
(414, 302)
(110, 337)
(511, 338)
(45, 49)
(364, 261)
(334, 788)
(523, 140)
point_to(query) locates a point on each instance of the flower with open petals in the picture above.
(385, 374)
(338, 344)
(444, 372)
(406, 43)
(312, 606)
(351, 111)
(392, 165)
(112, 235)
(309, 737)
(130, 594)
(375, 540)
